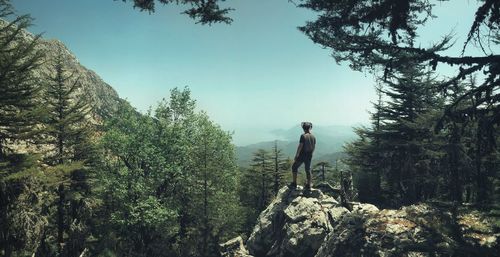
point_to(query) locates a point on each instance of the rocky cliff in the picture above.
(300, 223)
(102, 97)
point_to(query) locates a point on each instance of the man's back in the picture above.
(309, 142)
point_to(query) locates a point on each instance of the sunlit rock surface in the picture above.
(299, 223)
(233, 248)
(294, 224)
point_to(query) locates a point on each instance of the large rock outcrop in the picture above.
(294, 224)
(299, 223)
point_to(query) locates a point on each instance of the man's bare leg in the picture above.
(309, 182)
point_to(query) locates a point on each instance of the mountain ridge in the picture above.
(104, 99)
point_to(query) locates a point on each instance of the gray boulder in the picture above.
(234, 248)
(294, 224)
(417, 230)
(306, 224)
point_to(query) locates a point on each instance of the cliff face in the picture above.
(299, 223)
(102, 97)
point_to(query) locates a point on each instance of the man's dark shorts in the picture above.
(303, 158)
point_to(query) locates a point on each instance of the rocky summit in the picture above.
(313, 223)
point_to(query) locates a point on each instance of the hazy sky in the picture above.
(259, 73)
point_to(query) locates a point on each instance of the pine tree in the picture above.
(281, 167)
(67, 132)
(392, 158)
(360, 153)
(383, 36)
(204, 12)
(67, 126)
(322, 169)
(262, 172)
(402, 138)
(20, 215)
(257, 186)
(19, 87)
(213, 158)
(365, 155)
(470, 145)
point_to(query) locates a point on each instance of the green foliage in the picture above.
(282, 166)
(262, 168)
(413, 152)
(28, 197)
(204, 12)
(130, 177)
(66, 123)
(18, 85)
(388, 158)
(259, 183)
(381, 36)
(323, 172)
(168, 177)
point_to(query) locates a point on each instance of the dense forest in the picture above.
(415, 152)
(78, 181)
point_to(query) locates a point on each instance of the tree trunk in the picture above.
(455, 184)
(60, 221)
(481, 185)
(183, 223)
(8, 250)
(205, 201)
(60, 147)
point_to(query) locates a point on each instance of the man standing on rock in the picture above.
(304, 154)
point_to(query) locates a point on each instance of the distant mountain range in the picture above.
(329, 145)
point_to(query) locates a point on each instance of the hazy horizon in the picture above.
(254, 135)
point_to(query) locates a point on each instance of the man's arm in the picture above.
(299, 149)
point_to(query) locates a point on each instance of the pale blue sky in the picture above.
(259, 73)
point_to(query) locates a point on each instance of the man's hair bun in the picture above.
(306, 125)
